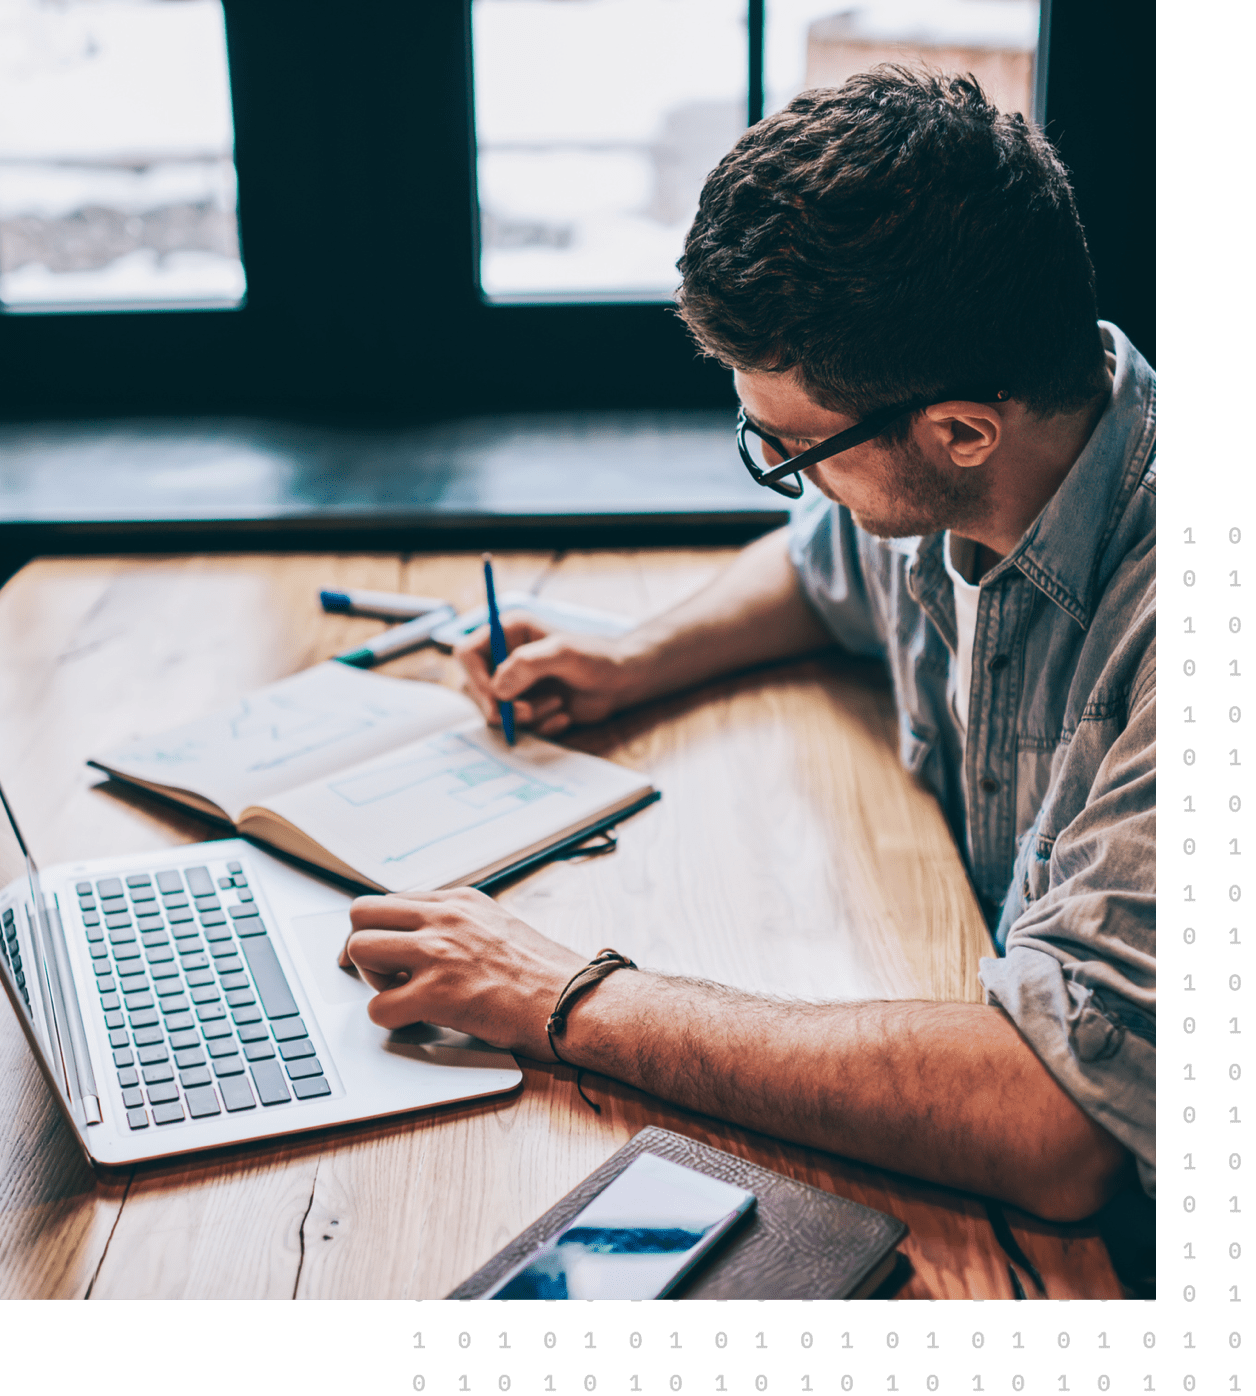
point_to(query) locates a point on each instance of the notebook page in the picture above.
(443, 809)
(306, 726)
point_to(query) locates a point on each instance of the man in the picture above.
(896, 254)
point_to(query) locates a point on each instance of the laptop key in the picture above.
(99, 953)
(109, 887)
(228, 1066)
(236, 1094)
(311, 1066)
(225, 882)
(146, 1037)
(229, 964)
(240, 998)
(249, 926)
(137, 1119)
(132, 1098)
(180, 1041)
(199, 978)
(194, 960)
(144, 1019)
(175, 1003)
(167, 987)
(236, 980)
(202, 1102)
(189, 1056)
(213, 1031)
(168, 1114)
(289, 1029)
(170, 881)
(222, 1046)
(312, 1086)
(163, 974)
(209, 994)
(115, 1020)
(294, 1051)
(195, 1076)
(218, 932)
(235, 866)
(129, 951)
(200, 884)
(119, 1037)
(103, 982)
(84, 889)
(268, 975)
(124, 1057)
(258, 1051)
(159, 1095)
(156, 1053)
(254, 1032)
(247, 1016)
(139, 880)
(211, 1012)
(179, 1022)
(155, 1075)
(108, 1001)
(271, 1087)
(138, 1000)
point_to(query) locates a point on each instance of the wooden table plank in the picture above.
(790, 854)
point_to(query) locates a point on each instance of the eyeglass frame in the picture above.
(872, 425)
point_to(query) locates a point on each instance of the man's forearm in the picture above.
(949, 1092)
(753, 612)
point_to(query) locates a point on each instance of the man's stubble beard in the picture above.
(920, 498)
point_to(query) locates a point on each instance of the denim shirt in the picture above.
(1051, 793)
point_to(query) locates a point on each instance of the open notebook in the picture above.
(387, 782)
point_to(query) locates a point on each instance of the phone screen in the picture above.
(635, 1240)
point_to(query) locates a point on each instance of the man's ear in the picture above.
(968, 432)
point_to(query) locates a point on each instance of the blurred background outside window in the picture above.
(598, 120)
(117, 177)
(596, 123)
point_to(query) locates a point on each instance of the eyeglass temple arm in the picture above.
(872, 425)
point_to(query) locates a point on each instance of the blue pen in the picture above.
(497, 648)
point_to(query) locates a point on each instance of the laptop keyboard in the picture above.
(196, 1004)
(13, 954)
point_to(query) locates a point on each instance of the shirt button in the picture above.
(989, 784)
(1000, 661)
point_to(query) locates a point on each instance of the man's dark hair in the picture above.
(894, 238)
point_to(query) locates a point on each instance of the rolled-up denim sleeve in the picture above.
(1079, 975)
(824, 548)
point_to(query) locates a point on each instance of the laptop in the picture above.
(190, 999)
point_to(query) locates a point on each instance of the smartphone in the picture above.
(636, 1240)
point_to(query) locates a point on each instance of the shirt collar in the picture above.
(1060, 550)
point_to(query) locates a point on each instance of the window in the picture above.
(117, 181)
(819, 43)
(598, 120)
(596, 123)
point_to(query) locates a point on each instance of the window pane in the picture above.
(817, 43)
(596, 123)
(117, 179)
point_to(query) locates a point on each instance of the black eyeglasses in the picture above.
(784, 478)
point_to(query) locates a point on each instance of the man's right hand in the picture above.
(554, 680)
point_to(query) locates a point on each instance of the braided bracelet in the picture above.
(603, 963)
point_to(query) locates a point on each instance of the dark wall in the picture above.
(354, 139)
(1101, 116)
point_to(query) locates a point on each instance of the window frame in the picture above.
(385, 338)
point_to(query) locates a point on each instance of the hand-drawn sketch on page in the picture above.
(449, 804)
(311, 724)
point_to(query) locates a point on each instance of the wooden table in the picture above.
(790, 854)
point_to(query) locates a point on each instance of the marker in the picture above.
(386, 605)
(497, 648)
(399, 640)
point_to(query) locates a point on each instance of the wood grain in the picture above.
(790, 855)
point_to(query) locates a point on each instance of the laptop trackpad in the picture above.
(320, 939)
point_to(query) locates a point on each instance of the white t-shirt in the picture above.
(960, 556)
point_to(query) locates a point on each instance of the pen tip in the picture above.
(486, 557)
